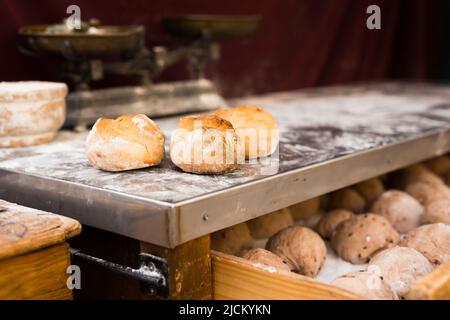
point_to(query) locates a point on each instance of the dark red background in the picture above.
(300, 43)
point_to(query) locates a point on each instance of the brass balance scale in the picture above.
(86, 50)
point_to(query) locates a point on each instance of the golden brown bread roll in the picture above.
(370, 189)
(232, 240)
(415, 174)
(266, 226)
(439, 165)
(348, 199)
(128, 142)
(256, 128)
(205, 144)
(427, 193)
(305, 209)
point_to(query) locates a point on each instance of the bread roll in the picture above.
(400, 267)
(126, 143)
(256, 128)
(31, 112)
(357, 239)
(305, 209)
(348, 199)
(427, 193)
(232, 240)
(439, 165)
(403, 211)
(330, 221)
(301, 248)
(366, 284)
(431, 240)
(414, 174)
(437, 211)
(205, 144)
(269, 224)
(265, 257)
(370, 189)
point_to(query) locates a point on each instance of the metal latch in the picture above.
(152, 273)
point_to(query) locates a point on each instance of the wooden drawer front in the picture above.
(37, 275)
(236, 278)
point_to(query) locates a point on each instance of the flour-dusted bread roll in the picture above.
(400, 267)
(31, 112)
(403, 211)
(205, 144)
(301, 248)
(265, 257)
(366, 284)
(427, 193)
(357, 239)
(232, 240)
(126, 143)
(269, 224)
(256, 128)
(437, 211)
(431, 240)
(348, 199)
(370, 189)
(330, 221)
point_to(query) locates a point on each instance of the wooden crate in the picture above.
(33, 253)
(237, 278)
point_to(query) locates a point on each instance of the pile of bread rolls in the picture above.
(202, 144)
(396, 235)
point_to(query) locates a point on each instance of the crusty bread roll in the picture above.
(348, 199)
(269, 224)
(255, 127)
(439, 165)
(205, 144)
(31, 112)
(305, 209)
(126, 143)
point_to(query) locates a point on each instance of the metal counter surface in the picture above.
(330, 138)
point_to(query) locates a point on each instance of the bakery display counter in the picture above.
(330, 138)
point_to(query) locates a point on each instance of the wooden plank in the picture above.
(34, 274)
(24, 230)
(434, 286)
(189, 268)
(59, 294)
(237, 278)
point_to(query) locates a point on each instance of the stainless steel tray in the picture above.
(330, 138)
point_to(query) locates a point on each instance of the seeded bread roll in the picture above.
(305, 209)
(301, 248)
(232, 240)
(205, 144)
(370, 189)
(265, 257)
(357, 239)
(403, 211)
(31, 112)
(329, 222)
(400, 267)
(126, 143)
(256, 128)
(348, 199)
(366, 284)
(431, 240)
(269, 224)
